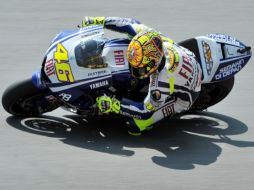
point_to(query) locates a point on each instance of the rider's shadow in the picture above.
(193, 139)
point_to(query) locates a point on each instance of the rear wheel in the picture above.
(24, 99)
(213, 93)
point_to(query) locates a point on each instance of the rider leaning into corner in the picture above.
(175, 75)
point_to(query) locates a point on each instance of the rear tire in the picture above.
(213, 93)
(20, 98)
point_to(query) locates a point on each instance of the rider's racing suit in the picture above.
(172, 89)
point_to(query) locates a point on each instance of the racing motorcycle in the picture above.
(81, 64)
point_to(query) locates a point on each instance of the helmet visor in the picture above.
(141, 73)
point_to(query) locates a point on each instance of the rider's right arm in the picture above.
(123, 25)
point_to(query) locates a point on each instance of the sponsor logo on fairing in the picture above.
(230, 69)
(96, 73)
(99, 84)
(208, 57)
(224, 38)
(50, 68)
(119, 57)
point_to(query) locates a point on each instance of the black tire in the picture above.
(213, 93)
(20, 98)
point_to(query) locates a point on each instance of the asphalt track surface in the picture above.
(62, 151)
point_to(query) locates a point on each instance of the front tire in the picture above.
(21, 99)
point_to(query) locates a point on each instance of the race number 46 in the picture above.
(63, 69)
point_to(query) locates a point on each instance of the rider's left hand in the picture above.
(89, 21)
(107, 104)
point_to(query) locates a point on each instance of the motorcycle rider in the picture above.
(175, 75)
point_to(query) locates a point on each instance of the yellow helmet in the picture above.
(145, 53)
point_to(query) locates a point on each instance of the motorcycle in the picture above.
(81, 64)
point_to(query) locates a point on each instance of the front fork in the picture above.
(49, 102)
(37, 80)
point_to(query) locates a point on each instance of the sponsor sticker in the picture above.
(224, 38)
(119, 57)
(153, 80)
(130, 115)
(168, 110)
(172, 58)
(99, 84)
(230, 69)
(187, 68)
(50, 68)
(97, 73)
(208, 57)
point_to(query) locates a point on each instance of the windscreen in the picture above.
(89, 53)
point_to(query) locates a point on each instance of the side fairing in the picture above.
(71, 80)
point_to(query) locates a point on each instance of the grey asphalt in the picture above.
(214, 150)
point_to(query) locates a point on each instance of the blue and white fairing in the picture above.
(69, 40)
(79, 79)
(221, 56)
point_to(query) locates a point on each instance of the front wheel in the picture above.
(24, 99)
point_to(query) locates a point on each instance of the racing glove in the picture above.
(89, 21)
(107, 104)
